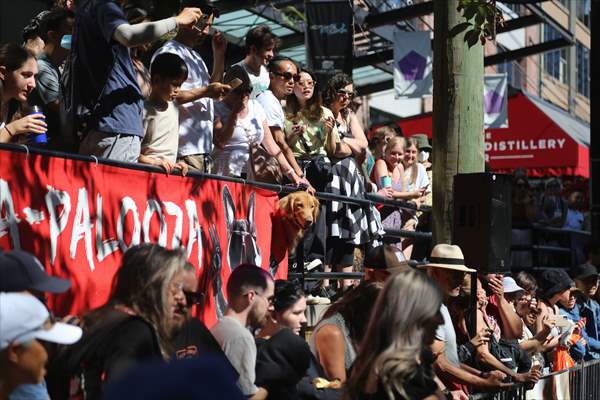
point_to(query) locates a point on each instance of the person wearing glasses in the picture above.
(346, 223)
(136, 324)
(192, 338)
(250, 292)
(283, 73)
(240, 124)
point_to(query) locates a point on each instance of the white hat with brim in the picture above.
(447, 256)
(24, 318)
(510, 285)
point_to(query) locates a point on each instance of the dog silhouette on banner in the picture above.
(242, 247)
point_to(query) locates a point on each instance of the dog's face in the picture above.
(302, 207)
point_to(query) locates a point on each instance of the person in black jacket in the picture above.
(285, 365)
(136, 324)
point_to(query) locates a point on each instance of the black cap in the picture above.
(553, 281)
(385, 257)
(21, 271)
(583, 271)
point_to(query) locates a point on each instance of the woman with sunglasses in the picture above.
(346, 222)
(240, 123)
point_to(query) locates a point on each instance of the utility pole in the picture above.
(458, 142)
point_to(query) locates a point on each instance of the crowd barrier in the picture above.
(581, 382)
(537, 246)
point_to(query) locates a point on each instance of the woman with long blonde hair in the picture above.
(394, 361)
(391, 183)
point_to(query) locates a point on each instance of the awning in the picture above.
(541, 138)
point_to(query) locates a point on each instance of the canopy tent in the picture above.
(541, 138)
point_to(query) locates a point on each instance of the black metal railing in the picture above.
(583, 384)
(550, 247)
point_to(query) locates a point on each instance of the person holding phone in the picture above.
(240, 123)
(416, 179)
(388, 174)
(200, 90)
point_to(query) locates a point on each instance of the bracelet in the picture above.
(8, 130)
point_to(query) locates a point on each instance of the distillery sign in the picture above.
(501, 147)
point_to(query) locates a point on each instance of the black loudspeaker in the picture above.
(482, 220)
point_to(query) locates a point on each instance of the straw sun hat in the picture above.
(449, 257)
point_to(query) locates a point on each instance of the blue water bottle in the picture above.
(37, 138)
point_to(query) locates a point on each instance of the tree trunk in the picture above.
(458, 145)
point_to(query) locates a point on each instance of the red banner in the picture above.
(79, 217)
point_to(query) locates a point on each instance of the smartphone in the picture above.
(235, 83)
(202, 22)
(561, 321)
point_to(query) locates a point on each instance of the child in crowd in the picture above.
(161, 116)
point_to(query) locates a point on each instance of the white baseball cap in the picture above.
(510, 285)
(23, 318)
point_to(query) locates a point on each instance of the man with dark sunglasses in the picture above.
(283, 73)
(193, 339)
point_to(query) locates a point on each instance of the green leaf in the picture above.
(472, 37)
(470, 12)
(479, 20)
(459, 28)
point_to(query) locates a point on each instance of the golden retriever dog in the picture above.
(297, 212)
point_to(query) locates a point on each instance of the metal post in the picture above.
(595, 121)
(572, 58)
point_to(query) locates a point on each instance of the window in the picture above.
(513, 70)
(564, 3)
(584, 10)
(555, 61)
(583, 70)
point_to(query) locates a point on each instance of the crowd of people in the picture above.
(107, 84)
(401, 333)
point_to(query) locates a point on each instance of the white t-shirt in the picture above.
(161, 131)
(446, 333)
(196, 117)
(272, 108)
(240, 348)
(232, 160)
(422, 179)
(259, 82)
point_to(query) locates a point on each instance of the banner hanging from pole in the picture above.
(495, 100)
(412, 64)
(329, 35)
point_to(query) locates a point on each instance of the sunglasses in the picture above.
(306, 83)
(288, 76)
(344, 92)
(192, 298)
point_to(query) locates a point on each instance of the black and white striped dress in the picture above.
(351, 223)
